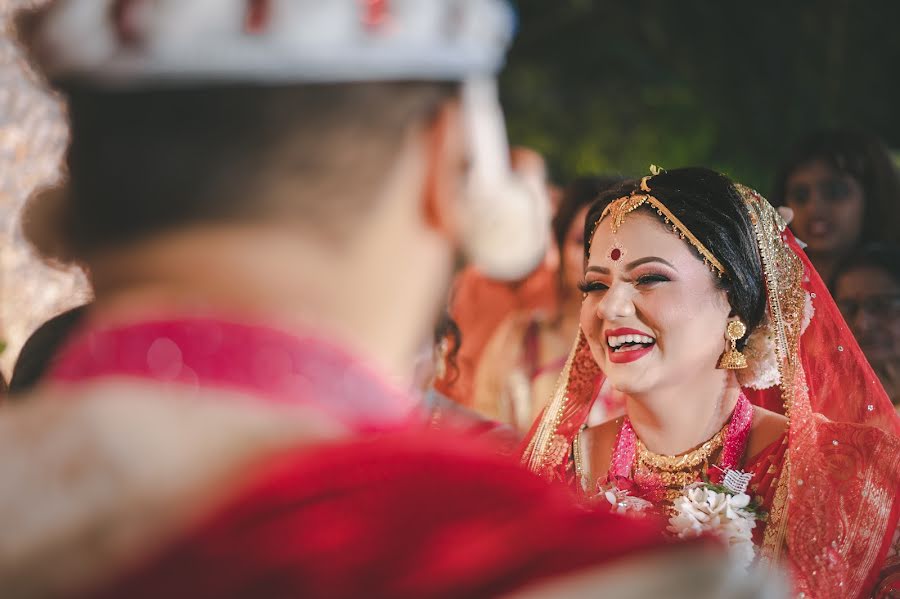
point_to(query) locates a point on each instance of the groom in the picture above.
(269, 196)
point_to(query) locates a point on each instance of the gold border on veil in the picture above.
(783, 273)
(535, 454)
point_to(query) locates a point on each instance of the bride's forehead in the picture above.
(640, 229)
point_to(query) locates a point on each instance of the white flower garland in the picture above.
(623, 502)
(704, 509)
(723, 510)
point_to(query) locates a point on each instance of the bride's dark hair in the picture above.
(708, 204)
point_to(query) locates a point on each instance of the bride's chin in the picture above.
(627, 386)
(629, 381)
(625, 378)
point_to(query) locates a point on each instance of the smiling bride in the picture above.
(700, 307)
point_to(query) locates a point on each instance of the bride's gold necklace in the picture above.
(678, 471)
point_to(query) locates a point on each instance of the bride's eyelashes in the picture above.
(647, 280)
(592, 286)
(652, 279)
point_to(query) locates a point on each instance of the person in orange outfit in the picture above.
(479, 303)
(515, 337)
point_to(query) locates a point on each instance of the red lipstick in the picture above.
(625, 357)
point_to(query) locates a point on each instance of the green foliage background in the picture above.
(611, 87)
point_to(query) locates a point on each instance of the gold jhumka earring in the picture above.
(732, 359)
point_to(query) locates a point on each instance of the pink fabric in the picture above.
(269, 364)
(738, 434)
(624, 452)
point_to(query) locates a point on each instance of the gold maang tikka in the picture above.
(620, 208)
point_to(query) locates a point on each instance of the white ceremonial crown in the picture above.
(129, 41)
(157, 43)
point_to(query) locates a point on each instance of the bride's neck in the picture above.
(678, 418)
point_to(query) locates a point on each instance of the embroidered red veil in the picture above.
(836, 505)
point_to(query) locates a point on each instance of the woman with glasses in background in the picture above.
(867, 290)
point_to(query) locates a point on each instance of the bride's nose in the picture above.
(616, 303)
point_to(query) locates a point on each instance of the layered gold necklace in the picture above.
(678, 471)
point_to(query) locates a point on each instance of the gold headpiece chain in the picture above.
(620, 208)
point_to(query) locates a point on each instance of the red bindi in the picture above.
(615, 254)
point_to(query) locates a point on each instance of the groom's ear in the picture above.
(447, 166)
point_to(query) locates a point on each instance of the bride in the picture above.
(700, 308)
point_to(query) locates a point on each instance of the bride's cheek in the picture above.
(588, 318)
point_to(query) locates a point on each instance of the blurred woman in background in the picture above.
(523, 358)
(479, 303)
(844, 191)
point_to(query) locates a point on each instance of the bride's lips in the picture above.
(626, 357)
